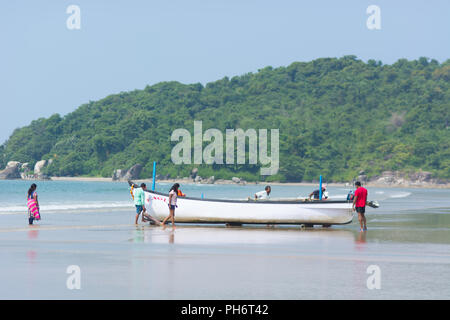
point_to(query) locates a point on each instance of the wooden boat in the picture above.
(280, 211)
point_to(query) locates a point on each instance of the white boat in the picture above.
(282, 211)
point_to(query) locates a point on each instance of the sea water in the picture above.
(90, 225)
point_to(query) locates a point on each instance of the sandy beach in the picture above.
(120, 261)
(88, 225)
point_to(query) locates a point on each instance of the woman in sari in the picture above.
(33, 205)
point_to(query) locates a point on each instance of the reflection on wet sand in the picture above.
(147, 235)
(360, 239)
(242, 235)
(32, 256)
(198, 261)
(33, 234)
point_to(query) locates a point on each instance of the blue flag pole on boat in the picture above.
(154, 175)
(320, 188)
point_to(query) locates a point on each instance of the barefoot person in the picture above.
(359, 204)
(33, 205)
(173, 195)
(139, 201)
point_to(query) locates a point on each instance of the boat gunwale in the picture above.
(237, 224)
(293, 201)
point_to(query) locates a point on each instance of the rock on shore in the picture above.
(130, 174)
(11, 171)
(401, 178)
(18, 170)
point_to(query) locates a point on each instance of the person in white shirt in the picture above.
(263, 195)
(173, 195)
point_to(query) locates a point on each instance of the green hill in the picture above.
(335, 117)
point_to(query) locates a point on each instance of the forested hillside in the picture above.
(335, 117)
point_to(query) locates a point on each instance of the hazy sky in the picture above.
(46, 68)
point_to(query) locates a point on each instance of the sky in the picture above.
(47, 67)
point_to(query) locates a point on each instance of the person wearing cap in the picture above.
(316, 194)
(139, 200)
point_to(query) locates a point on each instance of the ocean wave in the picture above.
(16, 209)
(400, 195)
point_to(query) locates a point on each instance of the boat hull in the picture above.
(195, 210)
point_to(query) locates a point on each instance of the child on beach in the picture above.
(173, 195)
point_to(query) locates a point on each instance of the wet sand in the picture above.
(119, 260)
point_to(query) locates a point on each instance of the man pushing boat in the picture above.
(139, 201)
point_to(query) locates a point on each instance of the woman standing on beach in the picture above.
(173, 194)
(33, 204)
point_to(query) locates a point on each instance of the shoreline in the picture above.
(223, 182)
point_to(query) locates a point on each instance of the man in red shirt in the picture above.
(359, 204)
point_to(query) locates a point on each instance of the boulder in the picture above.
(362, 178)
(387, 177)
(11, 171)
(39, 166)
(422, 176)
(210, 180)
(118, 175)
(134, 172)
(131, 174)
(25, 172)
(425, 176)
(235, 179)
(12, 164)
(198, 179)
